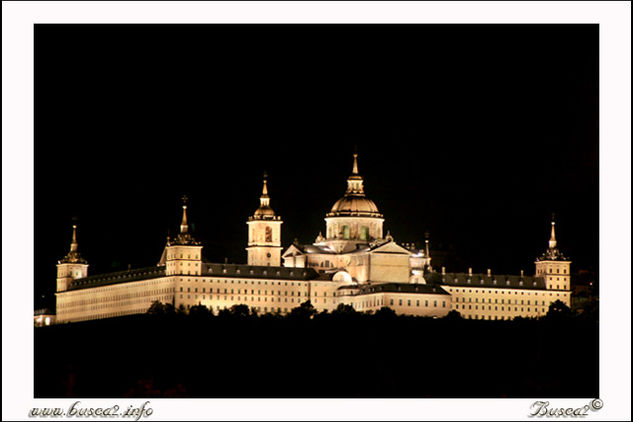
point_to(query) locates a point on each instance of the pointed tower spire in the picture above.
(552, 252)
(355, 181)
(184, 227)
(264, 200)
(184, 237)
(552, 238)
(73, 244)
(73, 255)
(264, 212)
(426, 244)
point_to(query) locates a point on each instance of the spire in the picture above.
(184, 227)
(264, 212)
(264, 200)
(184, 237)
(552, 238)
(355, 181)
(552, 253)
(73, 244)
(73, 255)
(426, 244)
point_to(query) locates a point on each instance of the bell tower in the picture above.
(72, 266)
(264, 233)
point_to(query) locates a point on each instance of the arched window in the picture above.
(269, 234)
(345, 232)
(363, 233)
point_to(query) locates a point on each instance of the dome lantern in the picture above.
(354, 203)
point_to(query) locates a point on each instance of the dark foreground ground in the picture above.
(341, 354)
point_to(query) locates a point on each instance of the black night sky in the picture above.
(474, 133)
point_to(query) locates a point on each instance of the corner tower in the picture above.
(72, 266)
(183, 254)
(264, 233)
(553, 266)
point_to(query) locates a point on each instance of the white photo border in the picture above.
(614, 19)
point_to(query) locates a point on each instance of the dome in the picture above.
(344, 277)
(264, 212)
(355, 205)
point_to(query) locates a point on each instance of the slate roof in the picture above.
(208, 269)
(252, 271)
(117, 277)
(322, 249)
(355, 289)
(493, 281)
(316, 249)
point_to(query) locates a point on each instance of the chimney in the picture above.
(489, 272)
(443, 270)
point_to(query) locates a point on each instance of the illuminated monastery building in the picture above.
(355, 263)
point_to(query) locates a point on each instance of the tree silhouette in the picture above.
(156, 308)
(453, 315)
(344, 309)
(200, 311)
(385, 312)
(303, 311)
(239, 310)
(558, 310)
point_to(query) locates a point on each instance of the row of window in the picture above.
(95, 298)
(417, 303)
(239, 298)
(346, 231)
(495, 291)
(551, 271)
(173, 256)
(239, 291)
(120, 304)
(259, 282)
(139, 310)
(218, 308)
(483, 308)
(490, 317)
(470, 299)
